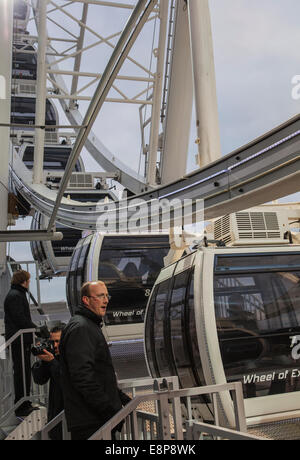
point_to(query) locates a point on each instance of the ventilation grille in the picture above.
(222, 229)
(248, 225)
(27, 88)
(258, 225)
(51, 137)
(81, 181)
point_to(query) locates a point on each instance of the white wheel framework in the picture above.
(65, 76)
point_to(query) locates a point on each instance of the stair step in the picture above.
(10, 425)
(2, 435)
(28, 427)
(6, 430)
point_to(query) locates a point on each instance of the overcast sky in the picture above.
(256, 54)
(256, 47)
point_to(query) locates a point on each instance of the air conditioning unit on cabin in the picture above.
(252, 227)
(23, 88)
(51, 137)
(81, 181)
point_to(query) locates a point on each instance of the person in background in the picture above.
(91, 393)
(48, 369)
(17, 317)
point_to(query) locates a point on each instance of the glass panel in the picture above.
(50, 114)
(258, 322)
(129, 267)
(71, 289)
(26, 59)
(192, 337)
(178, 332)
(67, 245)
(257, 262)
(20, 10)
(161, 355)
(75, 277)
(24, 65)
(80, 271)
(84, 197)
(149, 335)
(23, 111)
(54, 159)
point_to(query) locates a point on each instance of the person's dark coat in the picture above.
(42, 373)
(91, 394)
(17, 313)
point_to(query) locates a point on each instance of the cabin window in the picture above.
(129, 267)
(76, 273)
(161, 355)
(179, 330)
(67, 245)
(257, 305)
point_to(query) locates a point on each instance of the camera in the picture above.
(47, 345)
(44, 344)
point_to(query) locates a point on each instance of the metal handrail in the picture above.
(105, 433)
(140, 424)
(9, 342)
(36, 394)
(60, 418)
(197, 428)
(129, 385)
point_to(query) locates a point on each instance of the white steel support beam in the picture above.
(6, 33)
(180, 101)
(41, 91)
(29, 235)
(79, 55)
(154, 135)
(207, 119)
(99, 75)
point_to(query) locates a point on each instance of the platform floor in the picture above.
(285, 430)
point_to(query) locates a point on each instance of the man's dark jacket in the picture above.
(91, 394)
(42, 373)
(17, 313)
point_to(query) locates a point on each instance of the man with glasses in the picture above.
(91, 394)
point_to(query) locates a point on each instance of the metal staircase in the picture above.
(16, 429)
(159, 410)
(12, 427)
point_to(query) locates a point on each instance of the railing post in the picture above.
(23, 366)
(65, 432)
(177, 419)
(134, 426)
(164, 417)
(106, 436)
(239, 407)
